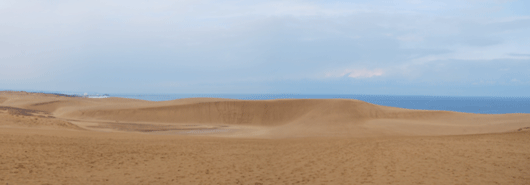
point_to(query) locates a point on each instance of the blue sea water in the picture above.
(482, 105)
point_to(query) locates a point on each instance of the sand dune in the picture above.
(269, 118)
(50, 139)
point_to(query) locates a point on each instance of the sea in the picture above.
(468, 104)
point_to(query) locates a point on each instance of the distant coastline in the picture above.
(65, 95)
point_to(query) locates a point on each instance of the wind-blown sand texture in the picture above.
(50, 139)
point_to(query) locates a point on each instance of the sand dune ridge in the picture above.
(270, 118)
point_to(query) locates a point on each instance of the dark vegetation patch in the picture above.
(139, 127)
(523, 129)
(45, 103)
(25, 112)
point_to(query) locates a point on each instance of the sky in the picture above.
(376, 47)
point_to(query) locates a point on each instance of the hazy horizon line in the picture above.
(261, 94)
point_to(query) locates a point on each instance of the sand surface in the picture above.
(49, 139)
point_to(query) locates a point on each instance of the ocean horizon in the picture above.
(466, 104)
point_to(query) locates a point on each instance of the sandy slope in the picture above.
(80, 157)
(68, 140)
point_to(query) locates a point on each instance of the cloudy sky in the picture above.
(406, 47)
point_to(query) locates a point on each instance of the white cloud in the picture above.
(357, 73)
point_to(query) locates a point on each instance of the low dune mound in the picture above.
(54, 103)
(52, 106)
(2, 100)
(258, 113)
(12, 116)
(306, 117)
